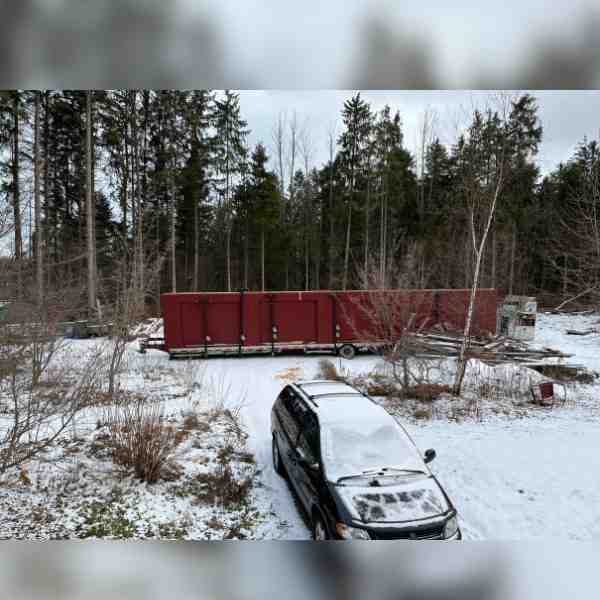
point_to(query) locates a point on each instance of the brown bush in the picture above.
(222, 487)
(426, 392)
(423, 413)
(140, 439)
(327, 370)
(382, 390)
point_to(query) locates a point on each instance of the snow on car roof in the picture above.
(346, 409)
(318, 388)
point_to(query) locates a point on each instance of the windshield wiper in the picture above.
(372, 473)
(392, 469)
(340, 479)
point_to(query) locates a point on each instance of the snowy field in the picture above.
(524, 475)
(510, 478)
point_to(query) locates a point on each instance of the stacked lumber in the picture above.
(496, 351)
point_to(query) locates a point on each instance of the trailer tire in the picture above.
(347, 351)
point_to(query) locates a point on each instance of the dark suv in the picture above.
(356, 471)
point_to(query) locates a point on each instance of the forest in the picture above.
(162, 188)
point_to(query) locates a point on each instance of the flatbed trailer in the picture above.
(203, 324)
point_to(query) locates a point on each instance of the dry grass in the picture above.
(291, 374)
(426, 392)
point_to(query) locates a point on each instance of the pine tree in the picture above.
(354, 143)
(229, 150)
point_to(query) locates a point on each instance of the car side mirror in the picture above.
(429, 455)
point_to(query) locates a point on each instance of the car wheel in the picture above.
(277, 464)
(347, 351)
(319, 530)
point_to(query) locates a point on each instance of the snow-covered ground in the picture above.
(526, 474)
(510, 477)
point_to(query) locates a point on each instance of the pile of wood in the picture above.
(592, 330)
(496, 351)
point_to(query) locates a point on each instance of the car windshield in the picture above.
(356, 449)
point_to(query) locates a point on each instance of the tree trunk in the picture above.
(478, 251)
(246, 254)
(493, 275)
(513, 248)
(347, 250)
(196, 249)
(173, 240)
(318, 248)
(262, 257)
(331, 224)
(367, 215)
(90, 213)
(39, 258)
(17, 193)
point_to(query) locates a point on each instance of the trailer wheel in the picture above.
(347, 351)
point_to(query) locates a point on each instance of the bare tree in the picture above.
(39, 253)
(16, 189)
(39, 414)
(278, 136)
(293, 151)
(579, 261)
(481, 199)
(127, 312)
(90, 209)
(306, 148)
(386, 318)
(331, 138)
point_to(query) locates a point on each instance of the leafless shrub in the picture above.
(37, 415)
(129, 308)
(223, 400)
(386, 319)
(140, 438)
(192, 376)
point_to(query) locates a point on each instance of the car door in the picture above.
(308, 469)
(296, 414)
(289, 429)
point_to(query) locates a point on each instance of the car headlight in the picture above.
(351, 533)
(451, 527)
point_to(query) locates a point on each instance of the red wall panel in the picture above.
(308, 317)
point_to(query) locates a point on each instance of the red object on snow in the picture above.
(201, 323)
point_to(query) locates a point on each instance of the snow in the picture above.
(409, 501)
(351, 448)
(522, 473)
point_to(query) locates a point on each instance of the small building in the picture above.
(516, 317)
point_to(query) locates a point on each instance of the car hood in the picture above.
(406, 501)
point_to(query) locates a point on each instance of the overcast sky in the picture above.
(567, 116)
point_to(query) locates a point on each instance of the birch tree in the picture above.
(486, 146)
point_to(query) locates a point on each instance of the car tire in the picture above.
(277, 464)
(347, 351)
(319, 530)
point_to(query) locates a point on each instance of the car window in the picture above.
(288, 414)
(309, 438)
